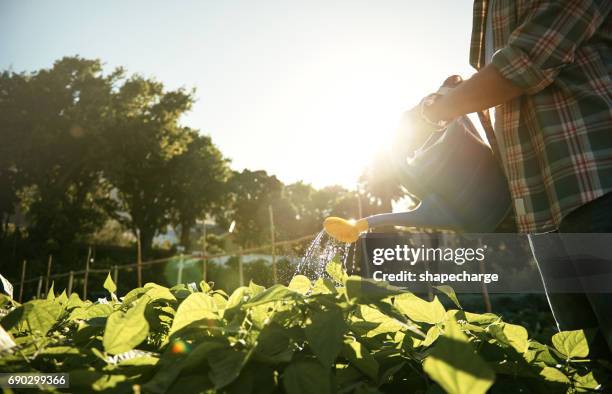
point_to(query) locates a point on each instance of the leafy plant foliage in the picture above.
(341, 334)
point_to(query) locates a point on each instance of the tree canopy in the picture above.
(83, 147)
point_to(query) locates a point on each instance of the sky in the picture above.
(306, 90)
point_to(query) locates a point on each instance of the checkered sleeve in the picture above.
(547, 40)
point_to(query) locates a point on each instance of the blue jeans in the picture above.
(561, 270)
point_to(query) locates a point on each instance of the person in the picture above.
(545, 67)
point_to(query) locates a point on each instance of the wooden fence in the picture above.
(43, 281)
(138, 265)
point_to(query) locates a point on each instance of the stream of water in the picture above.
(321, 251)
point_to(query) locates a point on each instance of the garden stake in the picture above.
(39, 287)
(179, 275)
(272, 238)
(240, 272)
(70, 282)
(49, 262)
(204, 254)
(86, 277)
(23, 271)
(139, 258)
(116, 275)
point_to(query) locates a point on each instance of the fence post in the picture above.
(204, 262)
(86, 277)
(39, 288)
(116, 276)
(138, 259)
(272, 238)
(23, 271)
(48, 278)
(240, 271)
(179, 275)
(70, 283)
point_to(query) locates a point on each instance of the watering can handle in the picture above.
(484, 115)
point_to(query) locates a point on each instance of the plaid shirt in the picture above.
(555, 140)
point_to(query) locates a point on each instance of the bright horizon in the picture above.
(304, 90)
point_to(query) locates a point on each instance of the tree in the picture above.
(80, 146)
(198, 183)
(251, 192)
(379, 181)
(10, 85)
(312, 206)
(305, 217)
(144, 136)
(52, 123)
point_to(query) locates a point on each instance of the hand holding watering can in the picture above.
(448, 168)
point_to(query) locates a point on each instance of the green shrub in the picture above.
(339, 334)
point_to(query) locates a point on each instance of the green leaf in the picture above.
(540, 354)
(323, 286)
(43, 316)
(195, 307)
(360, 357)
(198, 356)
(365, 290)
(300, 284)
(586, 381)
(273, 345)
(190, 384)
(90, 380)
(254, 379)
(511, 334)
(335, 271)
(125, 331)
(237, 298)
(180, 291)
(51, 293)
(375, 322)
(450, 293)
(306, 377)
(551, 374)
(433, 334)
(273, 294)
(64, 300)
(517, 336)
(225, 366)
(255, 288)
(420, 310)
(133, 295)
(455, 366)
(205, 287)
(144, 360)
(571, 343)
(91, 311)
(259, 315)
(481, 318)
(325, 335)
(220, 301)
(37, 317)
(109, 285)
(168, 369)
(157, 292)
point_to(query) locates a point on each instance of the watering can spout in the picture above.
(430, 213)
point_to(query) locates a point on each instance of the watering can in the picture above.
(457, 180)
